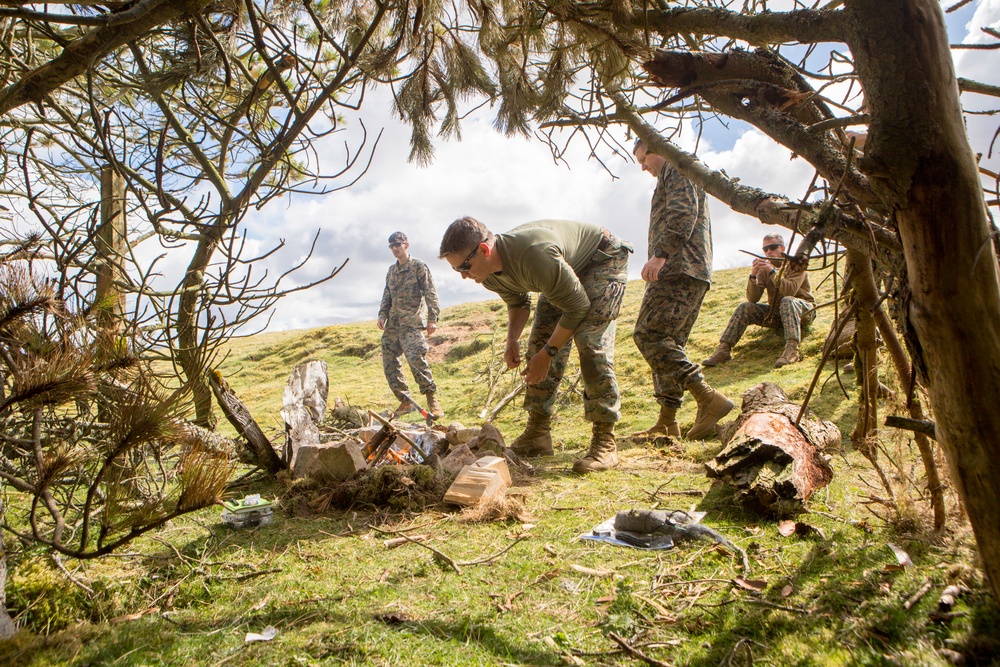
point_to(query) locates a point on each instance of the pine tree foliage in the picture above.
(88, 432)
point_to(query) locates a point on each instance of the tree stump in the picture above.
(775, 465)
(303, 407)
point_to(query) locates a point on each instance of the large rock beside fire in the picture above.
(458, 434)
(458, 458)
(489, 439)
(329, 462)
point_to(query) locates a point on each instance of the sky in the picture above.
(504, 182)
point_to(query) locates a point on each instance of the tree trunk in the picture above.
(866, 294)
(922, 165)
(192, 349)
(866, 343)
(111, 242)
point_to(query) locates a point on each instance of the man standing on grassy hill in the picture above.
(678, 274)
(579, 271)
(409, 305)
(791, 304)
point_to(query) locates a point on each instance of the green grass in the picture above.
(337, 595)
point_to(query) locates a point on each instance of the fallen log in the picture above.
(774, 464)
(260, 451)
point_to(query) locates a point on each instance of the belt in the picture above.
(605, 241)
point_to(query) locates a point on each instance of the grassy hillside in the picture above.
(464, 344)
(529, 593)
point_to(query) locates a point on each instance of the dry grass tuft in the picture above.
(508, 507)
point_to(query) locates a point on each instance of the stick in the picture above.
(503, 404)
(448, 559)
(915, 598)
(771, 605)
(487, 559)
(636, 653)
(924, 426)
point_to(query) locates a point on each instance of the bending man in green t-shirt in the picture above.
(579, 271)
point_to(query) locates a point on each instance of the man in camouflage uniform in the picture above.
(409, 305)
(579, 271)
(790, 302)
(678, 274)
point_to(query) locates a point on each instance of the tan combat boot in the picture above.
(537, 437)
(721, 355)
(666, 425)
(790, 355)
(603, 454)
(433, 406)
(712, 406)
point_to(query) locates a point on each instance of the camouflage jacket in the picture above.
(409, 298)
(680, 229)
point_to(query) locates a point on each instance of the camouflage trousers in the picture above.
(667, 314)
(396, 342)
(604, 281)
(794, 314)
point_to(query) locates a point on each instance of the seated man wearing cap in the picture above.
(790, 304)
(409, 305)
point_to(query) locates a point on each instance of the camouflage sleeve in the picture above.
(386, 305)
(676, 212)
(430, 295)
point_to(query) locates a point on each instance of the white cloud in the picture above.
(503, 182)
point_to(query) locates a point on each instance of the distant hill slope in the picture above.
(465, 359)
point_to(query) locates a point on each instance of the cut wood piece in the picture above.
(474, 485)
(775, 465)
(495, 463)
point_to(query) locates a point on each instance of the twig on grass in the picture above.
(915, 598)
(59, 564)
(668, 584)
(636, 653)
(771, 605)
(492, 557)
(244, 576)
(442, 556)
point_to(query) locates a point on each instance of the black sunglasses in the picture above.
(771, 246)
(465, 266)
(396, 245)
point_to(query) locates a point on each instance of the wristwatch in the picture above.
(549, 350)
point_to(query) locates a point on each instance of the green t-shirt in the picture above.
(546, 256)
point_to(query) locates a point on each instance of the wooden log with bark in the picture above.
(260, 450)
(774, 464)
